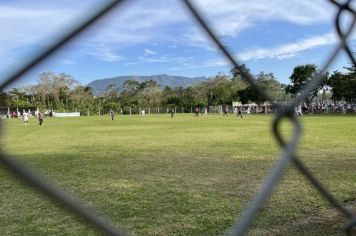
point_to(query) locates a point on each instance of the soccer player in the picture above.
(298, 110)
(196, 112)
(25, 118)
(239, 111)
(112, 114)
(226, 111)
(40, 118)
(172, 112)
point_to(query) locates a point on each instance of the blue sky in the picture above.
(147, 37)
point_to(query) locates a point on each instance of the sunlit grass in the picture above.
(183, 176)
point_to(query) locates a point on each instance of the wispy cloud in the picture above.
(166, 59)
(150, 21)
(106, 54)
(23, 26)
(290, 49)
(201, 64)
(149, 52)
(230, 17)
(145, 22)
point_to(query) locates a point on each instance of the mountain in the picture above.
(99, 86)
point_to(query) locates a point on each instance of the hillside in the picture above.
(99, 86)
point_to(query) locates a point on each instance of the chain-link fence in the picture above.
(288, 147)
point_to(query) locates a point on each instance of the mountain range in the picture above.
(99, 86)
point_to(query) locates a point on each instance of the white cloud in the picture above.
(106, 54)
(149, 52)
(284, 51)
(23, 26)
(143, 21)
(290, 49)
(147, 21)
(138, 22)
(195, 37)
(150, 60)
(230, 17)
(201, 64)
(166, 59)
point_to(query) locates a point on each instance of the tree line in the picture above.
(61, 92)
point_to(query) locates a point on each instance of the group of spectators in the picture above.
(325, 107)
(17, 114)
(302, 108)
(328, 107)
(29, 113)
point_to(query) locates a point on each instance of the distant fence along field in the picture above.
(313, 108)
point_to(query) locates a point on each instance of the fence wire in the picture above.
(288, 147)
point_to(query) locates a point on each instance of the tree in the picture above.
(129, 95)
(131, 86)
(111, 98)
(267, 82)
(245, 95)
(111, 92)
(52, 90)
(187, 97)
(171, 97)
(62, 84)
(250, 94)
(17, 98)
(343, 85)
(149, 94)
(238, 84)
(5, 99)
(239, 72)
(81, 97)
(221, 90)
(300, 77)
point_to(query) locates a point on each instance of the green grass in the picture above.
(155, 175)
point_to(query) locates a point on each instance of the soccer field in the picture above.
(157, 175)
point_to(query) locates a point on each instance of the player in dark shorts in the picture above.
(196, 112)
(112, 114)
(172, 113)
(239, 111)
(40, 119)
(226, 111)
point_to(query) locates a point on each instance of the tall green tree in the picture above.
(343, 85)
(52, 90)
(301, 76)
(267, 82)
(81, 99)
(238, 83)
(129, 94)
(111, 99)
(150, 94)
(172, 97)
(238, 72)
(221, 90)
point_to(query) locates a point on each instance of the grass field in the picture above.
(183, 176)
